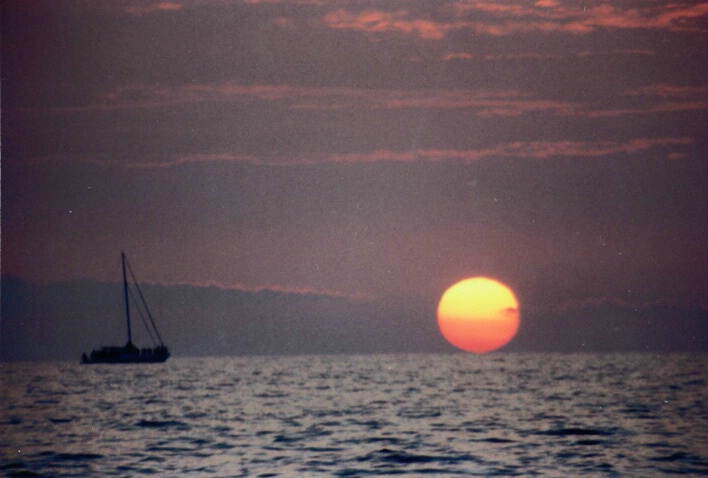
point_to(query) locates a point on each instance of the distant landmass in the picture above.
(59, 320)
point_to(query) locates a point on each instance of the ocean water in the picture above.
(411, 415)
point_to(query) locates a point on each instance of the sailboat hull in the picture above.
(127, 354)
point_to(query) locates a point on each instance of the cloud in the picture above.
(523, 149)
(458, 56)
(666, 107)
(486, 102)
(663, 90)
(545, 16)
(145, 8)
(300, 291)
(435, 22)
(377, 21)
(517, 149)
(546, 3)
(464, 56)
(483, 102)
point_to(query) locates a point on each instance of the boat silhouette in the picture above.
(129, 353)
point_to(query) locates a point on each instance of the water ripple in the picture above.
(419, 415)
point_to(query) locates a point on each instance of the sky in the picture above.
(370, 153)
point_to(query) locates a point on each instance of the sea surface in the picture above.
(412, 415)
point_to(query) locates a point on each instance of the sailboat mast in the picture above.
(127, 304)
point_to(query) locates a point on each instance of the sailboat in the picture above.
(129, 353)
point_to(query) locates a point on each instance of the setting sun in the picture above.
(478, 315)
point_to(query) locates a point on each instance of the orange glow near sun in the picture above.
(478, 315)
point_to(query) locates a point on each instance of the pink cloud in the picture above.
(483, 103)
(666, 107)
(458, 56)
(516, 149)
(144, 8)
(546, 3)
(545, 16)
(486, 102)
(664, 90)
(376, 21)
(356, 295)
(519, 149)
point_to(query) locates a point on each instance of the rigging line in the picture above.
(142, 316)
(147, 309)
(144, 303)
